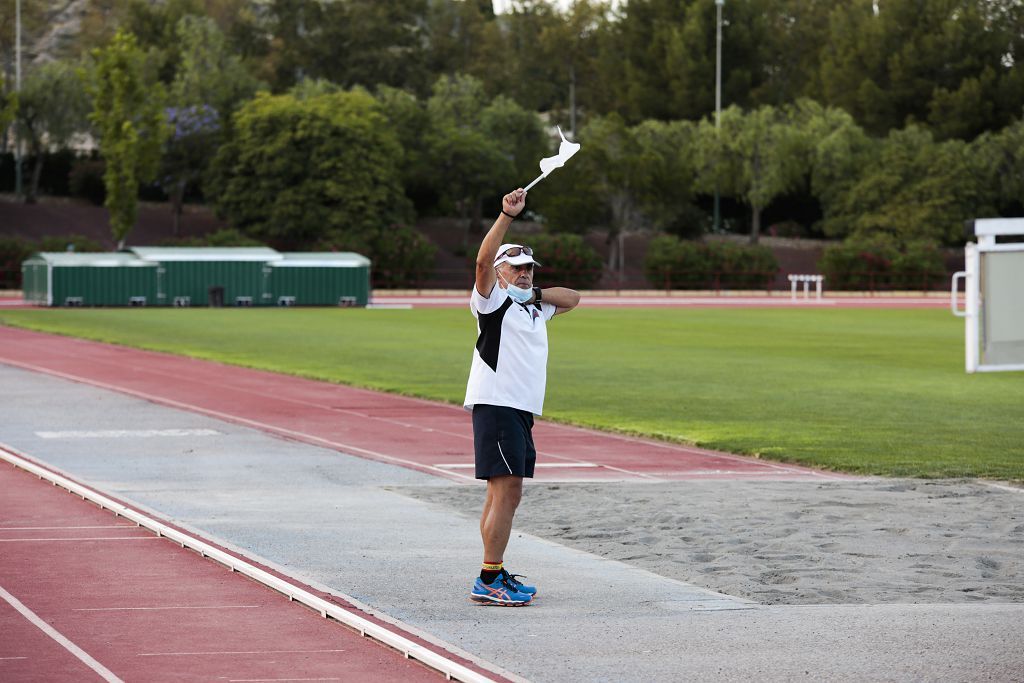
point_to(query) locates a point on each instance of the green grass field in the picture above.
(858, 390)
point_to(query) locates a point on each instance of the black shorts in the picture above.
(503, 440)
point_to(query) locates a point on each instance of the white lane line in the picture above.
(126, 433)
(132, 609)
(97, 538)
(232, 652)
(51, 528)
(78, 652)
(4, 659)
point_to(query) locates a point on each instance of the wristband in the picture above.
(537, 295)
(508, 214)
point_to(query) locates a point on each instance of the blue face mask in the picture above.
(517, 293)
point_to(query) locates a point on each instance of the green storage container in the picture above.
(89, 279)
(199, 276)
(319, 279)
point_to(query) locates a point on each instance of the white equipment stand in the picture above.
(807, 280)
(994, 297)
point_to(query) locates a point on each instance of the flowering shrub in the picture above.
(879, 262)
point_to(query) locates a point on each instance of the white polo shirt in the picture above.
(510, 360)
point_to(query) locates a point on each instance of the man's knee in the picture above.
(506, 490)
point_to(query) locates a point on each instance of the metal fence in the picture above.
(723, 281)
(672, 280)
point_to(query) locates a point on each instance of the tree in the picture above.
(129, 118)
(53, 106)
(997, 161)
(838, 149)
(8, 105)
(209, 85)
(954, 64)
(475, 146)
(408, 117)
(297, 172)
(915, 189)
(756, 157)
(667, 175)
(611, 160)
(570, 44)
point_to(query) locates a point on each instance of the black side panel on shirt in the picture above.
(489, 341)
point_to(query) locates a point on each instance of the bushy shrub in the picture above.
(919, 265)
(13, 250)
(682, 264)
(880, 262)
(86, 180)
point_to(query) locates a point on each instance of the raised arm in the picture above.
(563, 298)
(512, 205)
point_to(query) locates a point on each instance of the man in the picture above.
(506, 389)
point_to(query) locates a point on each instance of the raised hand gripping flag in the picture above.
(548, 164)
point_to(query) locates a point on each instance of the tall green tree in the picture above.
(570, 46)
(128, 114)
(467, 163)
(53, 106)
(838, 149)
(612, 162)
(914, 189)
(667, 176)
(209, 85)
(756, 157)
(953, 64)
(300, 172)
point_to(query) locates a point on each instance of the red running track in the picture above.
(87, 595)
(422, 435)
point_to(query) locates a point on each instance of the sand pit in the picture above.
(879, 541)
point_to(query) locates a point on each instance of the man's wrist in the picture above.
(503, 211)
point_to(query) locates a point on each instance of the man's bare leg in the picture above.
(503, 496)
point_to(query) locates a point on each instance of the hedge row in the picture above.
(880, 262)
(673, 263)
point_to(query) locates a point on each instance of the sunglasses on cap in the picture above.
(516, 251)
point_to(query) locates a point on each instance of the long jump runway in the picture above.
(422, 435)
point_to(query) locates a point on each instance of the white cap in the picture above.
(519, 260)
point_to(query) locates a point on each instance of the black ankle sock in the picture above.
(488, 577)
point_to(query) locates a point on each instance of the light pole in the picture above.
(718, 97)
(17, 89)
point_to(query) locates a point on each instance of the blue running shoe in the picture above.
(500, 592)
(519, 586)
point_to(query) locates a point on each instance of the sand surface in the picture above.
(878, 541)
